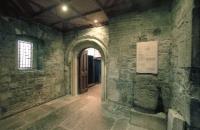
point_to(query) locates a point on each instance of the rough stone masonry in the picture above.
(176, 86)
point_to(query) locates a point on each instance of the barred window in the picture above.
(25, 55)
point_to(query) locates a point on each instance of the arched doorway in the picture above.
(72, 53)
(89, 70)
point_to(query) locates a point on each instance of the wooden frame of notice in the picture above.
(147, 57)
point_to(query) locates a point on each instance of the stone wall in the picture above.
(185, 61)
(100, 33)
(21, 90)
(125, 86)
(181, 55)
(176, 85)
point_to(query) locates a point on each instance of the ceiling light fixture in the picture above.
(64, 8)
(96, 21)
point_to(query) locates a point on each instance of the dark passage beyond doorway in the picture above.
(89, 69)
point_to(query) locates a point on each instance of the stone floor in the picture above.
(83, 112)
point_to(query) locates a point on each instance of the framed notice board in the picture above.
(147, 57)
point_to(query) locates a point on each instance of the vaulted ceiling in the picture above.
(80, 13)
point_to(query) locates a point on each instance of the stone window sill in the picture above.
(30, 71)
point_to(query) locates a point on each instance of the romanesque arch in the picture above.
(72, 51)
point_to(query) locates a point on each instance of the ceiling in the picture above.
(80, 14)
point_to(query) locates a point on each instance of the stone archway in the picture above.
(71, 62)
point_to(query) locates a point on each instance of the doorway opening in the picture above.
(89, 69)
(72, 53)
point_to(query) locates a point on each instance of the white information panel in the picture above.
(147, 57)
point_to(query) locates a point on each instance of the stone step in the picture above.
(149, 121)
(175, 121)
